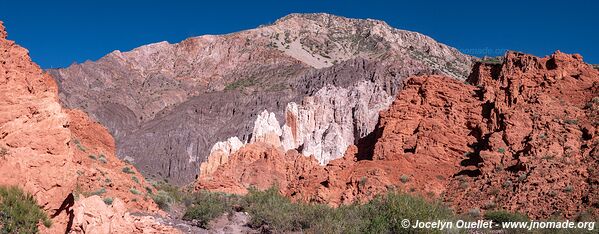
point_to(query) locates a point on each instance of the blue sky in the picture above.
(58, 33)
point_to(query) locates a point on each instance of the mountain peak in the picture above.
(322, 19)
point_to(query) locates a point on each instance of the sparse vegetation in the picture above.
(268, 209)
(135, 179)
(134, 191)
(501, 150)
(102, 158)
(404, 178)
(128, 170)
(108, 201)
(79, 145)
(239, 84)
(491, 60)
(93, 157)
(162, 199)
(3, 152)
(98, 192)
(19, 212)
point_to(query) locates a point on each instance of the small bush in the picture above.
(102, 159)
(501, 216)
(404, 179)
(93, 157)
(79, 145)
(135, 179)
(162, 199)
(134, 191)
(19, 212)
(98, 192)
(108, 200)
(207, 206)
(3, 151)
(128, 170)
(501, 150)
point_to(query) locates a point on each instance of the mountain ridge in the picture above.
(168, 104)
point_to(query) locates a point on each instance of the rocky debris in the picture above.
(55, 154)
(92, 215)
(267, 129)
(168, 104)
(519, 131)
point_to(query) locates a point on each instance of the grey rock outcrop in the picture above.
(168, 104)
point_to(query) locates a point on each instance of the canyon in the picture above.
(167, 105)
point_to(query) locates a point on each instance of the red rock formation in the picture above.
(521, 137)
(53, 153)
(534, 150)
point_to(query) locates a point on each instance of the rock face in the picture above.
(521, 131)
(53, 153)
(92, 215)
(168, 104)
(333, 119)
(267, 129)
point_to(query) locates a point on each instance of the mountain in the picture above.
(167, 105)
(62, 158)
(521, 135)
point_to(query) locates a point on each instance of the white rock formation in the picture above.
(219, 154)
(267, 129)
(331, 120)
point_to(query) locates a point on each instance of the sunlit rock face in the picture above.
(168, 104)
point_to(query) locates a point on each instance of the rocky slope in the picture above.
(59, 156)
(520, 131)
(168, 104)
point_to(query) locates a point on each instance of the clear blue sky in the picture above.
(58, 33)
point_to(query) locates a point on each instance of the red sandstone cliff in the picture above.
(521, 136)
(59, 155)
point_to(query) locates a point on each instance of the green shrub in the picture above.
(19, 212)
(269, 209)
(102, 159)
(501, 150)
(93, 157)
(162, 199)
(135, 179)
(404, 178)
(207, 206)
(128, 170)
(98, 192)
(134, 191)
(108, 200)
(501, 216)
(79, 145)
